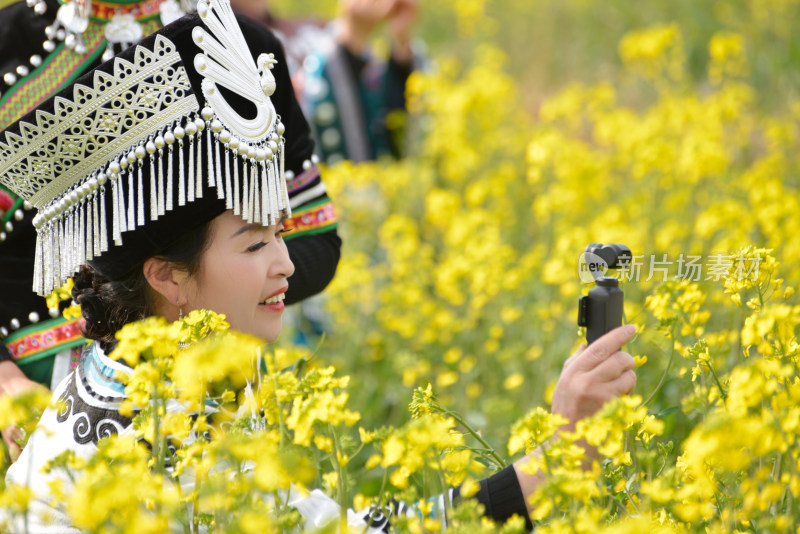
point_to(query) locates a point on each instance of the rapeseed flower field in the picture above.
(455, 303)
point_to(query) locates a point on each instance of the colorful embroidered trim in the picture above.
(8, 214)
(6, 206)
(59, 69)
(43, 339)
(75, 357)
(6, 202)
(302, 179)
(312, 220)
(103, 11)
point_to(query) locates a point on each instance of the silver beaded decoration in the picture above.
(214, 127)
(69, 244)
(191, 130)
(81, 234)
(245, 189)
(219, 186)
(60, 254)
(101, 179)
(150, 148)
(266, 193)
(159, 142)
(140, 153)
(115, 232)
(38, 267)
(225, 137)
(169, 138)
(131, 186)
(201, 125)
(95, 228)
(236, 191)
(255, 208)
(179, 134)
(123, 226)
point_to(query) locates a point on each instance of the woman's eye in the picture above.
(280, 233)
(255, 247)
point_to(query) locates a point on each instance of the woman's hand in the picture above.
(590, 377)
(401, 21)
(359, 19)
(12, 382)
(594, 375)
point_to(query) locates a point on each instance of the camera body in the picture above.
(601, 310)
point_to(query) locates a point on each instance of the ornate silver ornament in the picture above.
(170, 10)
(71, 21)
(122, 31)
(227, 61)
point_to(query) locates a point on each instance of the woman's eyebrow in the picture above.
(255, 226)
(247, 228)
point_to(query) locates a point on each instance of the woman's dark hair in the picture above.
(108, 305)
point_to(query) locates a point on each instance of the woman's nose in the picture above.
(283, 266)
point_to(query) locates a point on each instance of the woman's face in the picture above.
(243, 274)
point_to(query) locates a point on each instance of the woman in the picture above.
(159, 178)
(42, 49)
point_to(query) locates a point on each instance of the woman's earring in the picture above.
(180, 313)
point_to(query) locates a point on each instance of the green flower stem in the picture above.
(379, 505)
(196, 499)
(159, 456)
(794, 471)
(628, 495)
(283, 432)
(722, 391)
(629, 445)
(549, 471)
(491, 454)
(341, 487)
(425, 495)
(624, 511)
(158, 449)
(448, 505)
(666, 370)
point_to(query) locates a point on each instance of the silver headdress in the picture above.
(131, 143)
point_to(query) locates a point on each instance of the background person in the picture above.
(353, 100)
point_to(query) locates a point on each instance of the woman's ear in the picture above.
(168, 283)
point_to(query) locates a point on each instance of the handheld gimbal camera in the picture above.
(601, 310)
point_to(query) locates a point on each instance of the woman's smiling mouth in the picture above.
(275, 302)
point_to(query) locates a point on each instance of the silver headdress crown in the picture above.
(138, 136)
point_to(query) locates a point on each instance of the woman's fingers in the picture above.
(10, 437)
(613, 367)
(595, 375)
(623, 384)
(569, 361)
(601, 349)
